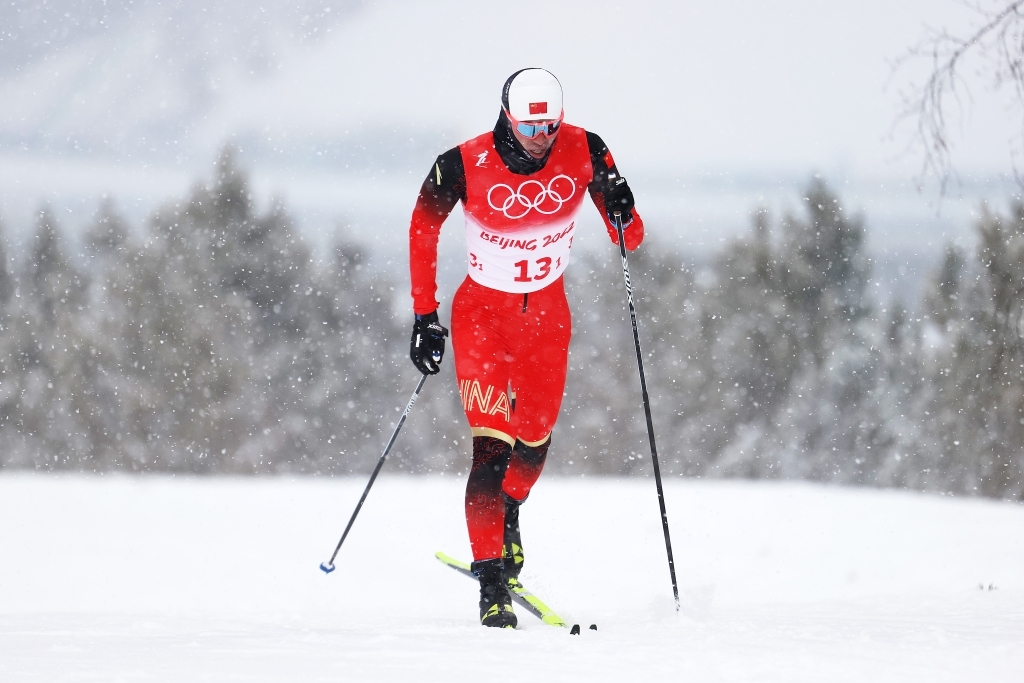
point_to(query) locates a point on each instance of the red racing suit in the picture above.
(510, 321)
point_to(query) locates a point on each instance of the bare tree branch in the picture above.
(999, 43)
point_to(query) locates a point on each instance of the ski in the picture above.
(528, 600)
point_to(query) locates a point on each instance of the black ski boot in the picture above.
(495, 601)
(512, 553)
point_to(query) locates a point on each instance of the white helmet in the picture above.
(532, 95)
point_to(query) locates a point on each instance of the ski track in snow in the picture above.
(159, 578)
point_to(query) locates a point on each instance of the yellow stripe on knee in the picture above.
(494, 434)
(534, 444)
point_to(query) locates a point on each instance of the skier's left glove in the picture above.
(618, 197)
(427, 346)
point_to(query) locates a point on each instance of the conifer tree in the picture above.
(48, 352)
(11, 377)
(977, 407)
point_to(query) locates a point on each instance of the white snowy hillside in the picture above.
(177, 579)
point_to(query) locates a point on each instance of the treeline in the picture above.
(780, 364)
(212, 343)
(216, 342)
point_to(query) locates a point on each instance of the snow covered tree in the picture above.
(107, 237)
(602, 429)
(216, 341)
(46, 353)
(218, 345)
(789, 349)
(11, 377)
(976, 410)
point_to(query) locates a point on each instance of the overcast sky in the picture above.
(712, 108)
(732, 85)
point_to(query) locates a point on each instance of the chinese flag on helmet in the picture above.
(532, 95)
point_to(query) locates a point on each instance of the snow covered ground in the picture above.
(179, 579)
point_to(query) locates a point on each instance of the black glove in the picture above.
(618, 197)
(427, 347)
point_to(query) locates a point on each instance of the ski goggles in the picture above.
(533, 130)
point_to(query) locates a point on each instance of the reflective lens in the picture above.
(530, 130)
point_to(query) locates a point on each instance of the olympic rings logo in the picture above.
(517, 203)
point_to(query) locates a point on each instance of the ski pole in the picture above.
(328, 566)
(647, 408)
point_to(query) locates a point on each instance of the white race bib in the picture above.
(522, 261)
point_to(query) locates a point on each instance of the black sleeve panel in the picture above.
(445, 185)
(602, 162)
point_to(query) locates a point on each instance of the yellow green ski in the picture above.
(528, 600)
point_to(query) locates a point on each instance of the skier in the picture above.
(522, 189)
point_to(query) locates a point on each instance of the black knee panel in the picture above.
(490, 460)
(532, 455)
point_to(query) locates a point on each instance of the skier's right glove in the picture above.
(427, 346)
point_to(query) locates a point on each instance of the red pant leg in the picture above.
(503, 340)
(540, 362)
(524, 468)
(483, 333)
(500, 341)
